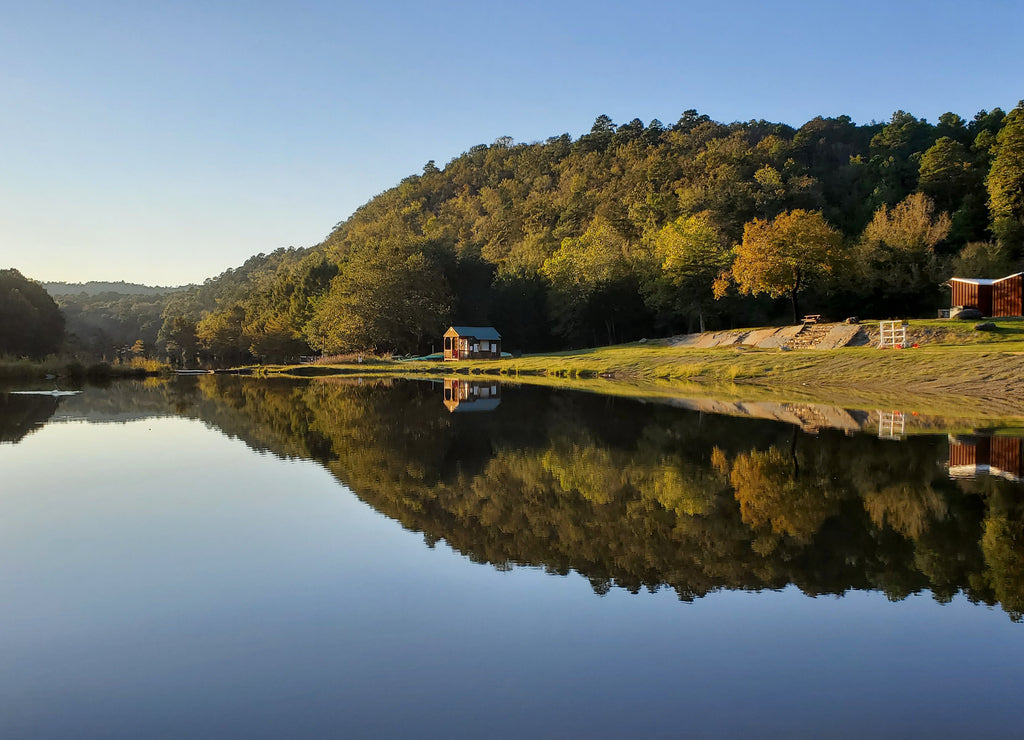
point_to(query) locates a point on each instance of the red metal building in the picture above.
(1000, 297)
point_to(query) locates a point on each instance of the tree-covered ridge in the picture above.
(658, 498)
(630, 230)
(160, 322)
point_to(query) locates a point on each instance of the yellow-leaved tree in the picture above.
(783, 256)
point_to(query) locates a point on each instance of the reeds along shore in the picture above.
(23, 370)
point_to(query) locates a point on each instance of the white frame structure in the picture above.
(892, 334)
(891, 425)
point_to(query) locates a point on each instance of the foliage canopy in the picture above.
(618, 235)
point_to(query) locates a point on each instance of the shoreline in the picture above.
(956, 372)
(978, 381)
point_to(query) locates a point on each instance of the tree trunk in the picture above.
(796, 307)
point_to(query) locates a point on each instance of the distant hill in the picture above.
(94, 287)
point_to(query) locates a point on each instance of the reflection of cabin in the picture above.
(472, 343)
(1001, 297)
(471, 395)
(973, 456)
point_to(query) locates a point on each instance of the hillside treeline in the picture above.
(634, 230)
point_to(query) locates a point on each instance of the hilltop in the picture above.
(120, 287)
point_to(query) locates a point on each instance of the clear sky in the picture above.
(165, 141)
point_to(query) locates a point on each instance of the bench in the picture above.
(812, 318)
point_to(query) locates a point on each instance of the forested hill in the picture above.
(637, 230)
(109, 320)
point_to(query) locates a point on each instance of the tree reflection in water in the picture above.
(635, 495)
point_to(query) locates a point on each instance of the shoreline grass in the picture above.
(958, 373)
(70, 369)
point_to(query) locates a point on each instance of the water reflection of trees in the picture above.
(22, 414)
(631, 495)
(638, 496)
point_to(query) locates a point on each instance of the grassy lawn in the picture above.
(956, 371)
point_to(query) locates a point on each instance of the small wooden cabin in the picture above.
(472, 343)
(1000, 297)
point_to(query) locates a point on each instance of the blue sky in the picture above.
(163, 142)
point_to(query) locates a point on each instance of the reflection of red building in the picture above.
(973, 456)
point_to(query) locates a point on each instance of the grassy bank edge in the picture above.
(971, 381)
(63, 369)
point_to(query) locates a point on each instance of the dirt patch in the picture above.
(839, 335)
(757, 337)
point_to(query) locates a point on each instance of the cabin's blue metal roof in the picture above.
(480, 332)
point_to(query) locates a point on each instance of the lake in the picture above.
(231, 557)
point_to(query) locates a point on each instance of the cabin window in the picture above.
(448, 343)
(485, 346)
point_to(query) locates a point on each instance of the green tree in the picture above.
(178, 335)
(894, 152)
(600, 136)
(30, 322)
(690, 255)
(221, 335)
(274, 339)
(912, 226)
(1006, 182)
(783, 257)
(945, 173)
(954, 127)
(588, 277)
(897, 255)
(384, 299)
(982, 260)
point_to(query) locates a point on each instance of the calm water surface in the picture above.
(241, 558)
